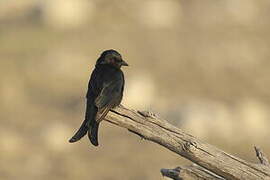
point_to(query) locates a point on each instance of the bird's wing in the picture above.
(109, 97)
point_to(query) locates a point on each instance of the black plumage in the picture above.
(105, 91)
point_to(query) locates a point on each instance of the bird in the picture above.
(105, 92)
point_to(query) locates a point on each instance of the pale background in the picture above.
(202, 65)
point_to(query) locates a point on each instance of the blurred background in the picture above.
(201, 65)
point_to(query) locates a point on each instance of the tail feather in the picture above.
(93, 133)
(80, 133)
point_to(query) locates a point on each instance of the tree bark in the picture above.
(154, 129)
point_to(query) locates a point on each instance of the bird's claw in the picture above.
(120, 106)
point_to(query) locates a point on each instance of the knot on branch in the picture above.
(189, 146)
(147, 114)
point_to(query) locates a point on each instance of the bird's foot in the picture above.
(121, 106)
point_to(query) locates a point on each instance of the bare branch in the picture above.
(192, 172)
(211, 158)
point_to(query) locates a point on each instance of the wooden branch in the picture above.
(152, 128)
(192, 172)
(195, 172)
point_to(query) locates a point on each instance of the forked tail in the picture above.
(80, 133)
(93, 133)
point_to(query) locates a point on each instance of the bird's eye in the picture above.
(117, 60)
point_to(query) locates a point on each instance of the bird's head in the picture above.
(111, 57)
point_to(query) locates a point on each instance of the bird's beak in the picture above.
(123, 63)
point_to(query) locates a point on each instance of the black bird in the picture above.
(105, 91)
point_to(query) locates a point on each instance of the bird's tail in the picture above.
(80, 133)
(93, 133)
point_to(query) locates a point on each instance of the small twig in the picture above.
(260, 155)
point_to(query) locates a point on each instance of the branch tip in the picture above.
(260, 155)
